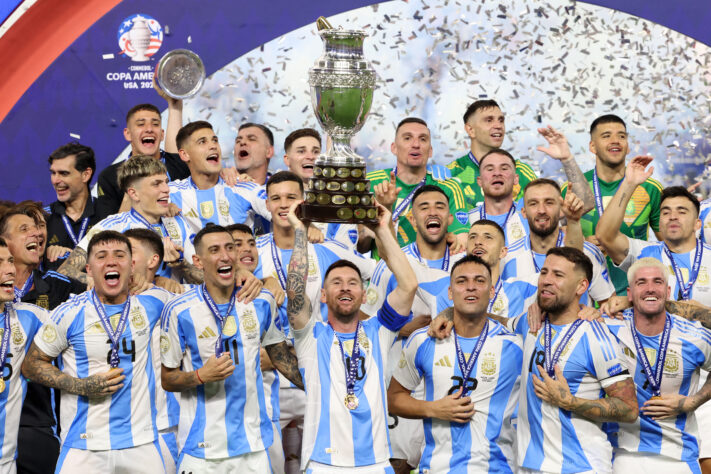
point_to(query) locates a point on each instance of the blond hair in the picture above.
(138, 167)
(646, 262)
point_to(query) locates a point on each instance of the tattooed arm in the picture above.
(673, 404)
(298, 307)
(620, 404)
(38, 367)
(690, 310)
(284, 359)
(615, 243)
(189, 272)
(74, 266)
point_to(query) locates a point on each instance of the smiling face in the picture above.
(246, 250)
(470, 289)
(559, 284)
(302, 155)
(412, 145)
(252, 149)
(608, 142)
(216, 257)
(486, 127)
(202, 152)
(431, 216)
(497, 176)
(144, 132)
(68, 182)
(24, 240)
(343, 293)
(678, 220)
(487, 243)
(150, 195)
(110, 266)
(280, 197)
(7, 275)
(541, 207)
(649, 291)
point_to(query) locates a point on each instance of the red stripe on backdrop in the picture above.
(38, 38)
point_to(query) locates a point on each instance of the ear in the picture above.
(127, 134)
(698, 224)
(286, 160)
(515, 177)
(270, 152)
(592, 148)
(363, 296)
(429, 155)
(523, 212)
(184, 155)
(86, 175)
(197, 262)
(162, 135)
(154, 262)
(392, 148)
(504, 251)
(478, 180)
(323, 296)
(411, 217)
(133, 194)
(470, 131)
(450, 219)
(491, 292)
(583, 285)
(629, 296)
(449, 293)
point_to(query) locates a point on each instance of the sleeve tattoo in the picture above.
(285, 362)
(620, 404)
(578, 183)
(75, 264)
(690, 311)
(298, 308)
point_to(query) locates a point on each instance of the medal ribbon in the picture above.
(598, 195)
(473, 158)
(685, 290)
(219, 318)
(21, 292)
(400, 208)
(466, 366)
(115, 336)
(558, 243)
(276, 256)
(5, 344)
(551, 360)
(512, 211)
(352, 368)
(82, 231)
(654, 378)
(497, 288)
(147, 224)
(445, 259)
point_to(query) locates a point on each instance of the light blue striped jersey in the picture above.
(485, 444)
(516, 226)
(25, 321)
(174, 227)
(705, 217)
(513, 299)
(689, 350)
(554, 440)
(229, 417)
(346, 234)
(74, 334)
(519, 264)
(222, 204)
(333, 434)
(700, 292)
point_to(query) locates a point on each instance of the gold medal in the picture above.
(351, 401)
(2, 386)
(656, 397)
(230, 327)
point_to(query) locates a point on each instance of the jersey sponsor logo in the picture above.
(444, 362)
(94, 329)
(53, 240)
(207, 333)
(137, 319)
(43, 301)
(462, 217)
(223, 207)
(516, 231)
(191, 213)
(313, 273)
(207, 209)
(173, 231)
(18, 337)
(614, 370)
(353, 235)
(49, 334)
(164, 344)
(488, 364)
(371, 296)
(249, 323)
(140, 37)
(671, 363)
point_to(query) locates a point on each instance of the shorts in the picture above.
(292, 405)
(407, 439)
(314, 467)
(256, 462)
(168, 444)
(626, 462)
(703, 421)
(143, 458)
(276, 450)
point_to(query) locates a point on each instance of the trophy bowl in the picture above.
(180, 73)
(342, 85)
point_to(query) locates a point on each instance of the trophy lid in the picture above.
(180, 73)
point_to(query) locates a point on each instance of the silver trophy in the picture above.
(180, 73)
(342, 84)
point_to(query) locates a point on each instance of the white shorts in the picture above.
(626, 462)
(169, 448)
(8, 467)
(143, 458)
(257, 462)
(703, 421)
(407, 439)
(314, 467)
(523, 470)
(292, 405)
(276, 450)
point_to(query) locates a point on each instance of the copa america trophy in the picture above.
(342, 84)
(180, 73)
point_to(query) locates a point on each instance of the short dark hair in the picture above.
(470, 259)
(477, 105)
(209, 228)
(410, 120)
(429, 188)
(83, 157)
(301, 133)
(34, 209)
(107, 236)
(149, 238)
(680, 191)
(5, 219)
(342, 263)
(282, 177)
(3, 243)
(263, 128)
(577, 257)
(607, 118)
(493, 224)
(139, 107)
(541, 182)
(244, 228)
(188, 129)
(498, 151)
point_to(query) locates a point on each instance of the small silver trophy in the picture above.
(342, 85)
(180, 73)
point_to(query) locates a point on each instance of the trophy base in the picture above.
(339, 193)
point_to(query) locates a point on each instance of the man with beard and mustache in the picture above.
(567, 364)
(344, 359)
(664, 353)
(254, 147)
(471, 381)
(542, 206)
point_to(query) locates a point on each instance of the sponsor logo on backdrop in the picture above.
(140, 36)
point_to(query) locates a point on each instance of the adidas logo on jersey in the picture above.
(208, 332)
(444, 362)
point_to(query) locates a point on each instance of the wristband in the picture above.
(197, 374)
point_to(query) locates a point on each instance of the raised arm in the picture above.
(573, 210)
(38, 367)
(284, 360)
(615, 243)
(558, 149)
(404, 293)
(75, 265)
(175, 119)
(298, 306)
(691, 310)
